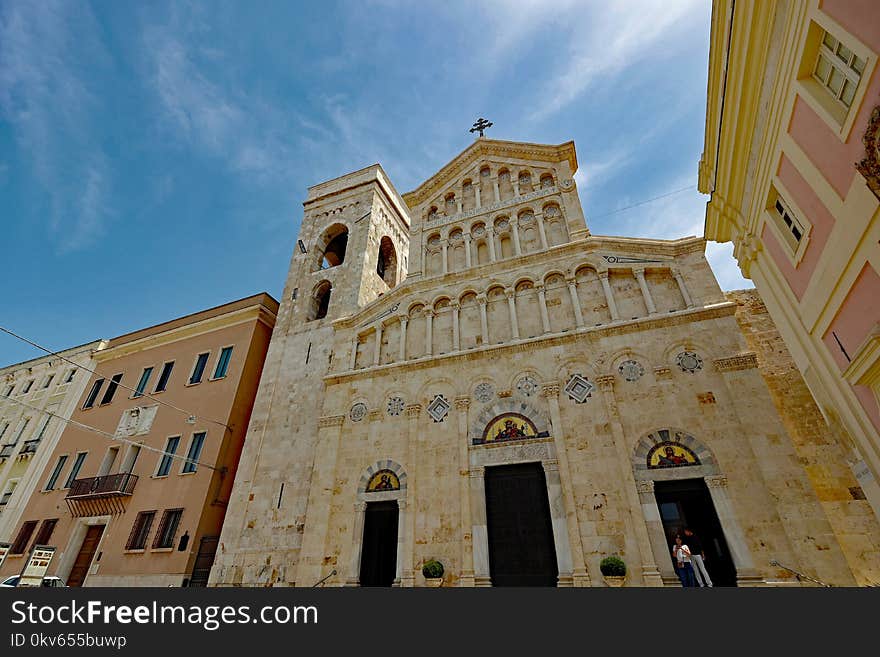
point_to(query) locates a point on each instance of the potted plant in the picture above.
(613, 570)
(433, 572)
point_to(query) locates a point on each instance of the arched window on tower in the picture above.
(386, 263)
(320, 301)
(332, 245)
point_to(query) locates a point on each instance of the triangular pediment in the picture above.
(485, 149)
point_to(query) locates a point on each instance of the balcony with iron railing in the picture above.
(100, 495)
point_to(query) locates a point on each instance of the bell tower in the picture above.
(352, 248)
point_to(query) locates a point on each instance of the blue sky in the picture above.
(154, 156)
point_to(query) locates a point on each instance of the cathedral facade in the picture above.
(464, 373)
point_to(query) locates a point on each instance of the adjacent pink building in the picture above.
(792, 164)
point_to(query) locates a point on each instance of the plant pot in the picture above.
(433, 582)
(615, 581)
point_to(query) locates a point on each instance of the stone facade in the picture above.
(503, 305)
(855, 526)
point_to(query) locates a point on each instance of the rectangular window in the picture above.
(199, 369)
(838, 69)
(27, 387)
(167, 528)
(74, 471)
(48, 380)
(45, 533)
(223, 363)
(23, 538)
(43, 429)
(9, 390)
(137, 540)
(791, 228)
(93, 393)
(24, 426)
(142, 384)
(164, 376)
(70, 376)
(50, 485)
(3, 430)
(111, 389)
(10, 489)
(167, 457)
(195, 450)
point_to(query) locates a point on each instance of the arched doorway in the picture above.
(681, 487)
(379, 536)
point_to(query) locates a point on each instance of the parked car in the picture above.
(50, 581)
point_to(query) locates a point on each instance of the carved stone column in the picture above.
(402, 352)
(456, 329)
(467, 250)
(490, 238)
(639, 273)
(559, 523)
(575, 302)
(467, 549)
(746, 573)
(412, 412)
(480, 537)
(377, 347)
(354, 565)
(445, 245)
(609, 296)
(514, 228)
(515, 183)
(541, 231)
(580, 576)
(429, 332)
(497, 189)
(403, 573)
(352, 363)
(542, 306)
(511, 306)
(636, 521)
(484, 321)
(657, 535)
(682, 287)
(477, 202)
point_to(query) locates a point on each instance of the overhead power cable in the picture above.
(191, 417)
(645, 202)
(112, 436)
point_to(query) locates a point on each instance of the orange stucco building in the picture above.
(136, 489)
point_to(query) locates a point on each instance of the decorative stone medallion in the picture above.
(358, 412)
(568, 183)
(484, 392)
(438, 408)
(527, 386)
(689, 362)
(579, 388)
(395, 405)
(382, 481)
(479, 231)
(552, 211)
(631, 370)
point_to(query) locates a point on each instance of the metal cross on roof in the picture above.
(480, 125)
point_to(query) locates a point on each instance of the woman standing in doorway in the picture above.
(682, 555)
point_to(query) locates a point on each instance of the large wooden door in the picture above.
(522, 551)
(204, 560)
(379, 554)
(86, 554)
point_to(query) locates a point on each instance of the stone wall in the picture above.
(855, 526)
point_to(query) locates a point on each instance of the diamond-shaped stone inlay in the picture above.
(438, 408)
(395, 405)
(631, 370)
(527, 386)
(358, 412)
(578, 388)
(484, 392)
(689, 362)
